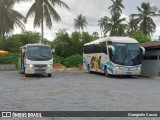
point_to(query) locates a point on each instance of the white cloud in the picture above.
(93, 10)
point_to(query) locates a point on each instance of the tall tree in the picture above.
(80, 22)
(9, 18)
(144, 18)
(45, 10)
(102, 22)
(132, 25)
(113, 25)
(116, 7)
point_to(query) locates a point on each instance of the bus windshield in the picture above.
(127, 54)
(38, 53)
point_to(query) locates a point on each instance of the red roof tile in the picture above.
(152, 44)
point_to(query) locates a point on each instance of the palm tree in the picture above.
(44, 10)
(113, 24)
(116, 7)
(144, 18)
(121, 30)
(95, 34)
(132, 25)
(9, 18)
(80, 22)
(102, 22)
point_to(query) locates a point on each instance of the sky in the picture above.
(93, 10)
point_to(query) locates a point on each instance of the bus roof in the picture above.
(114, 39)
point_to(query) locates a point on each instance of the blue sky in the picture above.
(93, 10)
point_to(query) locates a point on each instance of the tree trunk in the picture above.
(79, 31)
(3, 36)
(101, 34)
(42, 27)
(144, 27)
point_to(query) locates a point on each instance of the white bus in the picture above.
(36, 59)
(113, 56)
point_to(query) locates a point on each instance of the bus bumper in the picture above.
(39, 69)
(127, 70)
(118, 72)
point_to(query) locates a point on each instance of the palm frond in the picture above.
(31, 11)
(59, 3)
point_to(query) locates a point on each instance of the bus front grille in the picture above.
(40, 66)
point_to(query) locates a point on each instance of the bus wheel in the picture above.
(21, 72)
(26, 75)
(105, 72)
(49, 75)
(88, 68)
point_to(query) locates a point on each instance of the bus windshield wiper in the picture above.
(49, 57)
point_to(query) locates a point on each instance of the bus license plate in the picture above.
(40, 70)
(129, 72)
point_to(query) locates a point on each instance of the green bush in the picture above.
(57, 59)
(73, 61)
(139, 37)
(11, 58)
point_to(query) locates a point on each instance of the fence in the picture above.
(7, 67)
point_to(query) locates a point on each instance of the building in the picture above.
(151, 60)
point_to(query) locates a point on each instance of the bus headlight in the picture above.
(139, 68)
(117, 67)
(30, 65)
(49, 65)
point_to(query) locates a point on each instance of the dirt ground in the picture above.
(58, 66)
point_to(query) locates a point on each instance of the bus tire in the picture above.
(88, 69)
(26, 75)
(105, 72)
(20, 72)
(49, 75)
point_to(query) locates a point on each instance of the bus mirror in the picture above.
(113, 50)
(53, 50)
(142, 49)
(23, 51)
(96, 43)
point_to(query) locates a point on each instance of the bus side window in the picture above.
(89, 49)
(85, 49)
(103, 47)
(97, 48)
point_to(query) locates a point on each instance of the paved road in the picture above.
(78, 91)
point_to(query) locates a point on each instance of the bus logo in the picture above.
(6, 114)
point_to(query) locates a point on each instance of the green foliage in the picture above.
(139, 37)
(29, 37)
(1, 45)
(9, 18)
(145, 18)
(87, 38)
(11, 58)
(66, 45)
(13, 43)
(73, 61)
(62, 44)
(57, 59)
(46, 42)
